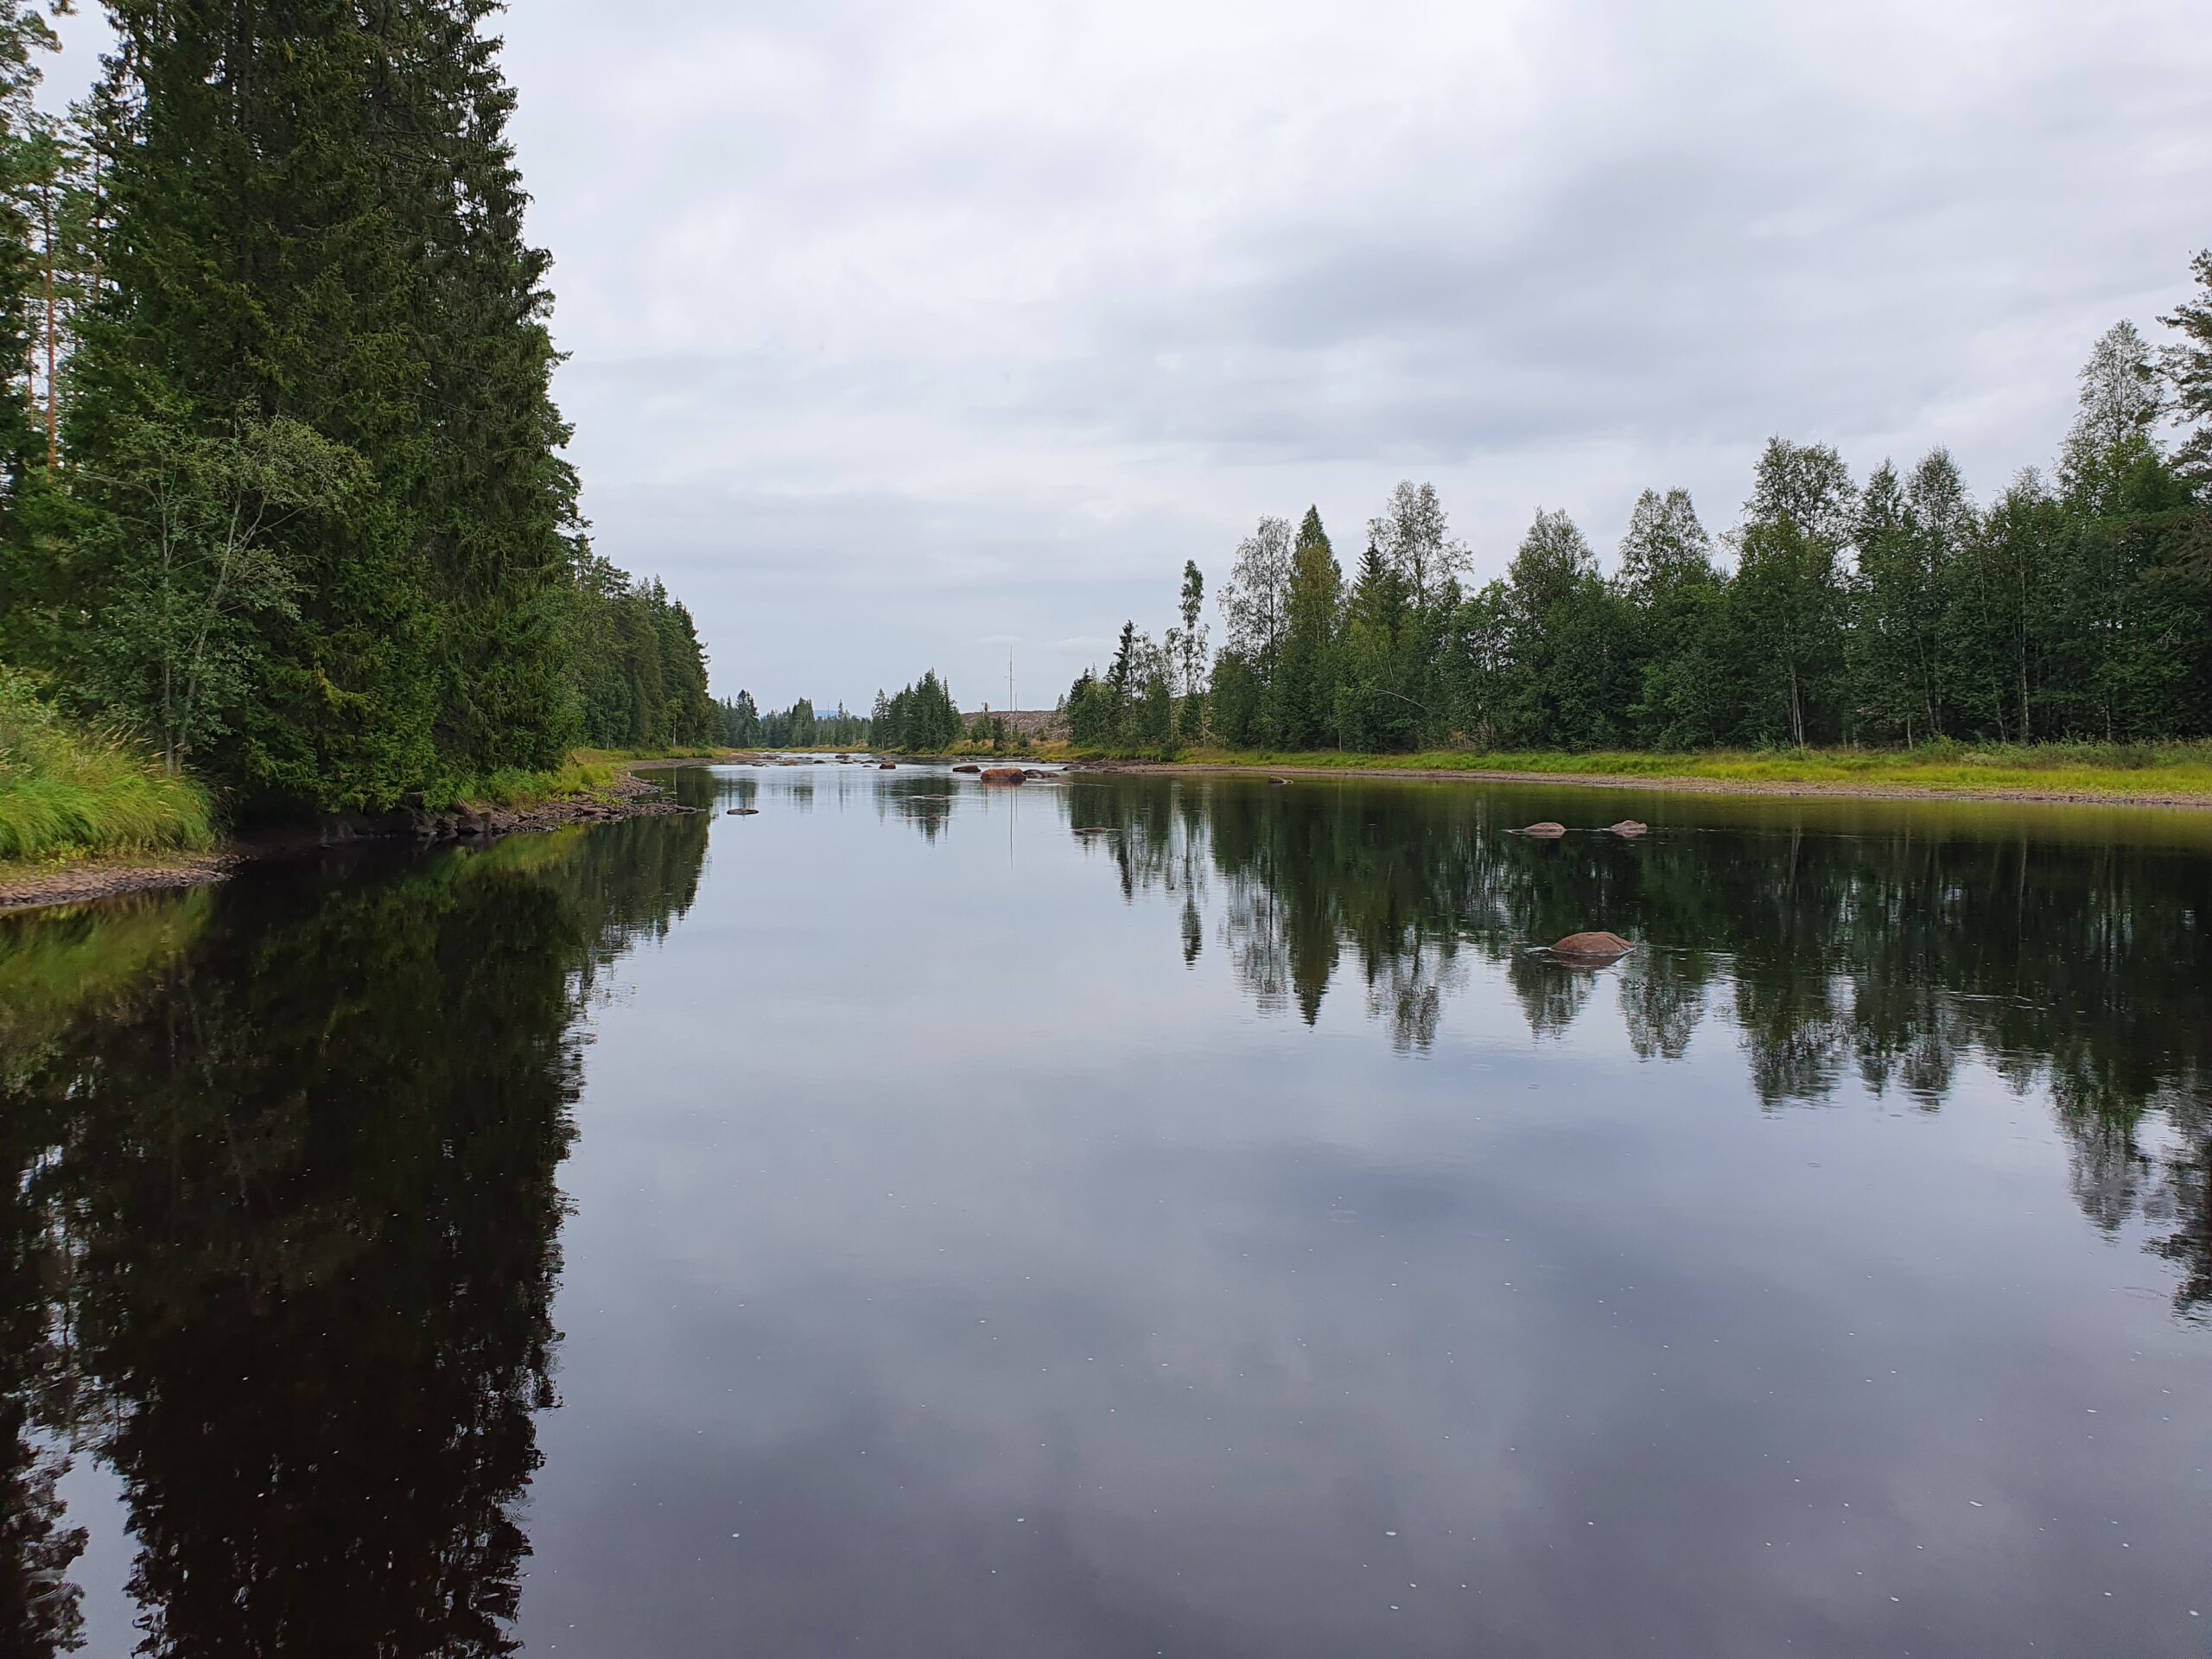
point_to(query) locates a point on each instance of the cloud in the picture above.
(898, 329)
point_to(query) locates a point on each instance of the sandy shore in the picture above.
(1783, 789)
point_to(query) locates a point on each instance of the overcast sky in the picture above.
(912, 334)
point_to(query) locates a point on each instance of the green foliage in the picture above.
(2072, 610)
(639, 678)
(1306, 671)
(743, 726)
(2165, 770)
(922, 719)
(67, 790)
(289, 498)
(197, 579)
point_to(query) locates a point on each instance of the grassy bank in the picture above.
(2160, 771)
(587, 774)
(67, 792)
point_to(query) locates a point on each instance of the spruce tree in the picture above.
(314, 217)
(1305, 680)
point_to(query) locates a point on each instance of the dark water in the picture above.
(898, 1223)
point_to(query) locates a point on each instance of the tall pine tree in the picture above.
(314, 217)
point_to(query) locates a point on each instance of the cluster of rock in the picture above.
(628, 797)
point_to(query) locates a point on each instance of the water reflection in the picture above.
(1896, 953)
(282, 1233)
(948, 1225)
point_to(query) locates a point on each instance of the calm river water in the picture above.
(1123, 1216)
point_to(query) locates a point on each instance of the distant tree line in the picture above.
(281, 483)
(740, 725)
(2076, 606)
(920, 719)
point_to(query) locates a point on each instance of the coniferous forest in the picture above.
(284, 494)
(1895, 609)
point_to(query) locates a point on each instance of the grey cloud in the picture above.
(896, 329)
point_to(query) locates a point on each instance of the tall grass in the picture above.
(67, 790)
(2174, 770)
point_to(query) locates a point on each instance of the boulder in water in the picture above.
(887, 766)
(1596, 948)
(744, 812)
(1629, 829)
(968, 767)
(1545, 831)
(1003, 777)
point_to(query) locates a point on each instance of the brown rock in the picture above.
(1545, 831)
(1003, 777)
(887, 766)
(1593, 947)
(1629, 829)
(968, 766)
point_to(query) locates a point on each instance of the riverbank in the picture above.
(70, 791)
(2167, 775)
(593, 787)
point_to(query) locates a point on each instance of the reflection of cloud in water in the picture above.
(1894, 959)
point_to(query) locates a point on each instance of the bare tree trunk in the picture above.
(53, 414)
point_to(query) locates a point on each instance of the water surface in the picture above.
(1124, 1215)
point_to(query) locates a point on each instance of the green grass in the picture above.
(2176, 770)
(69, 791)
(587, 772)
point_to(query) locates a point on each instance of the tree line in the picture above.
(920, 719)
(281, 475)
(741, 725)
(1898, 609)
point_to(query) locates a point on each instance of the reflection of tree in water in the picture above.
(1897, 955)
(308, 1212)
(922, 800)
(39, 1605)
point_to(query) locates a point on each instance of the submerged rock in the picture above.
(1629, 829)
(1278, 783)
(1545, 831)
(968, 766)
(1593, 947)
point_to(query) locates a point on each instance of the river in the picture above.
(1123, 1216)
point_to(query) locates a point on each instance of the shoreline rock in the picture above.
(41, 888)
(1592, 949)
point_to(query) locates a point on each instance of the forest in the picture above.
(918, 719)
(282, 490)
(2074, 605)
